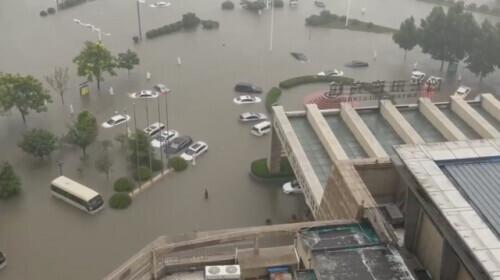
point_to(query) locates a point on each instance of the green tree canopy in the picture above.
(10, 184)
(25, 93)
(93, 61)
(128, 60)
(406, 37)
(140, 149)
(39, 143)
(484, 53)
(190, 20)
(104, 162)
(83, 132)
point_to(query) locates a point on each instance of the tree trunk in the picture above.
(62, 97)
(442, 65)
(84, 152)
(406, 52)
(99, 83)
(480, 78)
(23, 115)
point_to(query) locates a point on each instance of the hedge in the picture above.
(51, 11)
(166, 29)
(156, 165)
(143, 173)
(278, 3)
(293, 82)
(43, 13)
(210, 24)
(259, 169)
(227, 5)
(177, 163)
(123, 184)
(70, 3)
(272, 97)
(120, 201)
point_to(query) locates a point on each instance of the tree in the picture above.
(128, 60)
(10, 184)
(83, 132)
(58, 81)
(93, 61)
(25, 93)
(484, 53)
(140, 149)
(104, 162)
(406, 36)
(39, 143)
(190, 20)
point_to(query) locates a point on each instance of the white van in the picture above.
(261, 128)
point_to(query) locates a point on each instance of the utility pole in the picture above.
(347, 13)
(139, 19)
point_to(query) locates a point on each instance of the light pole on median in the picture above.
(93, 28)
(139, 17)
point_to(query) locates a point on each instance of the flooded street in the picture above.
(44, 238)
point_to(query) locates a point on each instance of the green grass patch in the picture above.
(259, 169)
(272, 96)
(310, 79)
(329, 20)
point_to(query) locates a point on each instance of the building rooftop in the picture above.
(461, 179)
(352, 252)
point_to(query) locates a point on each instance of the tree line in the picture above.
(452, 37)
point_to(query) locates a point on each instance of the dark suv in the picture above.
(248, 88)
(178, 144)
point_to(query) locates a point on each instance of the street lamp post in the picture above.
(93, 29)
(139, 18)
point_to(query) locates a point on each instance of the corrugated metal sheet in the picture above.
(479, 183)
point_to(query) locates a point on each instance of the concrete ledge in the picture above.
(399, 123)
(361, 132)
(473, 118)
(440, 121)
(491, 105)
(325, 134)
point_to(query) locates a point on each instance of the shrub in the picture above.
(472, 6)
(259, 169)
(164, 30)
(227, 5)
(301, 80)
(156, 165)
(254, 5)
(143, 173)
(123, 184)
(43, 13)
(369, 25)
(483, 8)
(190, 20)
(70, 3)
(210, 24)
(135, 39)
(51, 11)
(120, 201)
(272, 96)
(177, 163)
(278, 3)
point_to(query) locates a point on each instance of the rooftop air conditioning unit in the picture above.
(222, 272)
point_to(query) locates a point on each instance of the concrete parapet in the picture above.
(491, 105)
(399, 123)
(325, 134)
(440, 121)
(361, 132)
(473, 118)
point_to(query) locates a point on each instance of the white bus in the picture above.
(76, 194)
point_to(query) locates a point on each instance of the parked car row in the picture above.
(151, 93)
(418, 77)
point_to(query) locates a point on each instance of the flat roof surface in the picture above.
(426, 130)
(352, 252)
(347, 140)
(382, 130)
(459, 123)
(487, 116)
(478, 181)
(316, 153)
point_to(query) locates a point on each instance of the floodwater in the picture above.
(47, 239)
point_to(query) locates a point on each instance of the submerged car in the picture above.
(299, 56)
(116, 120)
(417, 76)
(178, 145)
(166, 136)
(247, 87)
(357, 64)
(3, 260)
(462, 91)
(246, 99)
(145, 94)
(161, 89)
(154, 128)
(331, 73)
(252, 117)
(292, 187)
(194, 150)
(160, 4)
(319, 4)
